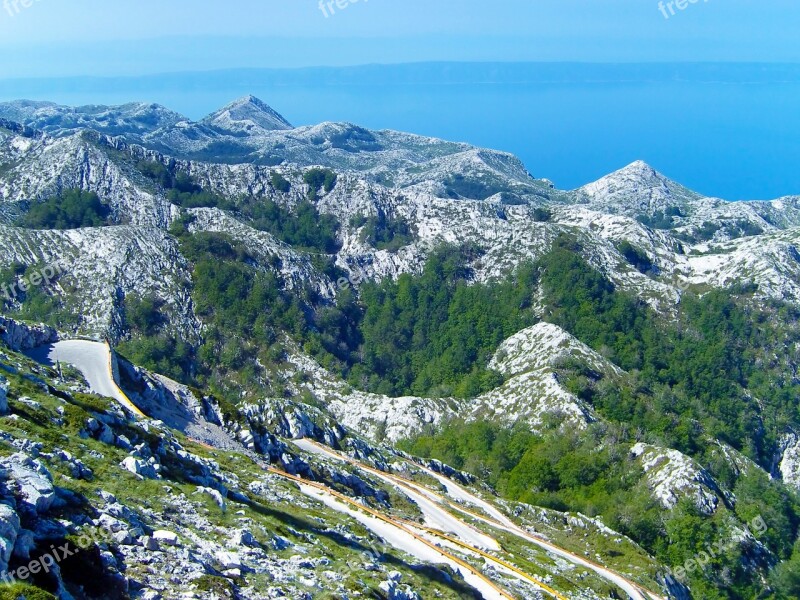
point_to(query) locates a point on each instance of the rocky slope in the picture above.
(147, 512)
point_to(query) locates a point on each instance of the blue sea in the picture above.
(733, 138)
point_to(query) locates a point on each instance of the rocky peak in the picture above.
(247, 115)
(637, 187)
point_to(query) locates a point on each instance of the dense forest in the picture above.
(434, 334)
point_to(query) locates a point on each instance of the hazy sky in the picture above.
(74, 37)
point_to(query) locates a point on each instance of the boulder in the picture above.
(229, 560)
(31, 482)
(25, 544)
(167, 538)
(139, 467)
(149, 543)
(244, 538)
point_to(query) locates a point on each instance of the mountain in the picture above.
(137, 118)
(637, 187)
(249, 131)
(245, 117)
(609, 370)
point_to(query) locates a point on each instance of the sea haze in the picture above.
(728, 130)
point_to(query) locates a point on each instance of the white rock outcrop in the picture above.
(671, 475)
(789, 460)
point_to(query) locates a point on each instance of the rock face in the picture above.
(638, 187)
(169, 538)
(55, 120)
(531, 393)
(3, 396)
(445, 193)
(21, 336)
(380, 173)
(246, 117)
(789, 460)
(9, 530)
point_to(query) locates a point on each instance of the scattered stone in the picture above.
(150, 543)
(30, 402)
(215, 495)
(138, 467)
(107, 497)
(244, 538)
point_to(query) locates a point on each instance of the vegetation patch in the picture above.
(387, 233)
(280, 183)
(661, 219)
(689, 383)
(304, 227)
(319, 179)
(459, 186)
(72, 209)
(19, 591)
(637, 257)
(181, 188)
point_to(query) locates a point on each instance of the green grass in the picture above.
(20, 591)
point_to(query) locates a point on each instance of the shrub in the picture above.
(304, 228)
(19, 591)
(387, 233)
(280, 183)
(319, 179)
(542, 215)
(636, 257)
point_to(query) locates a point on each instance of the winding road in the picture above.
(495, 518)
(93, 360)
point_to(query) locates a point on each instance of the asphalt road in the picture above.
(91, 359)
